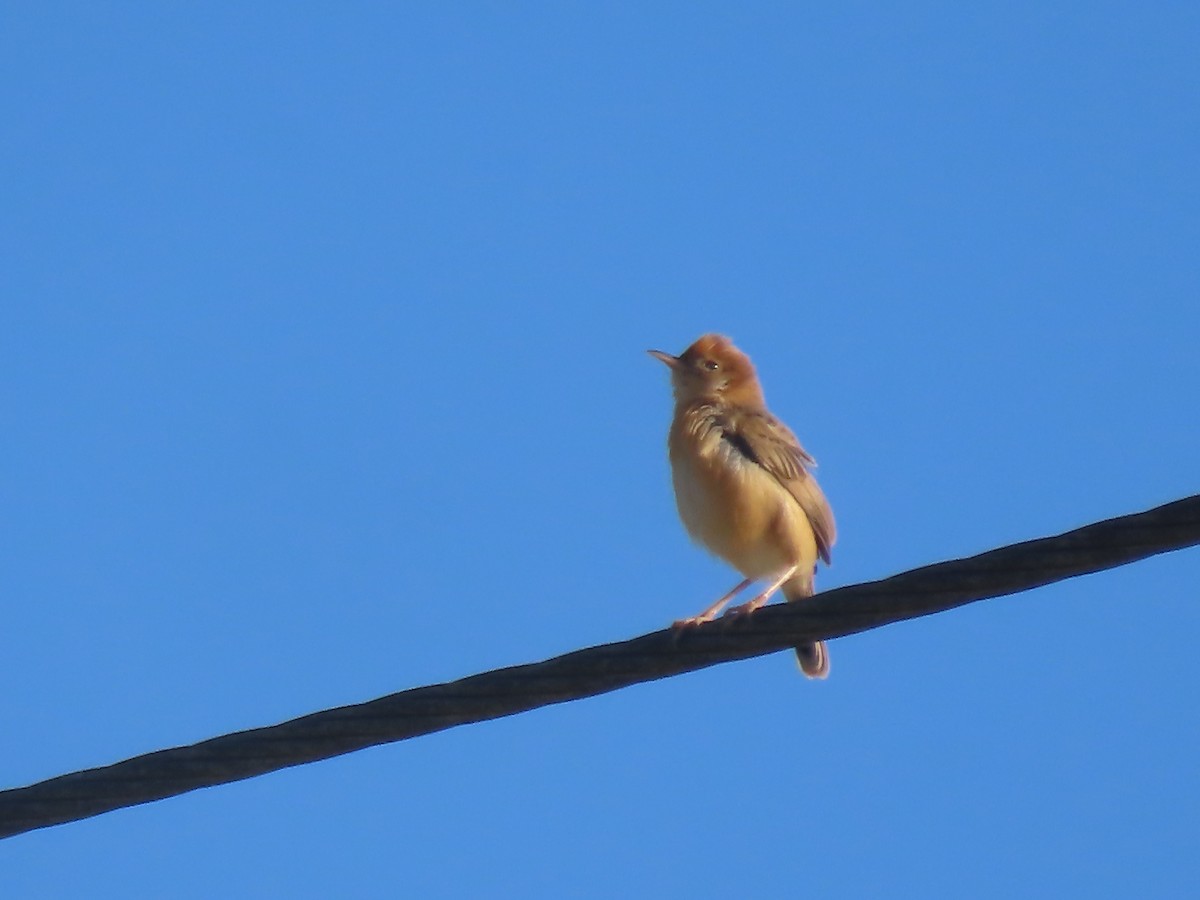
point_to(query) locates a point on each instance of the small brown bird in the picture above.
(742, 483)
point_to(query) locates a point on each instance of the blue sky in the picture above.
(322, 354)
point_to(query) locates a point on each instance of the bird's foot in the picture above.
(692, 621)
(744, 609)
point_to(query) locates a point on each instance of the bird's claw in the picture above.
(744, 609)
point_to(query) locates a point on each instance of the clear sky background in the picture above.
(322, 352)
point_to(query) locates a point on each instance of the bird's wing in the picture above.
(762, 438)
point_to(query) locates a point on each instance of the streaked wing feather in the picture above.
(761, 437)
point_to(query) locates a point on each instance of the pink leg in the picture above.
(762, 598)
(711, 613)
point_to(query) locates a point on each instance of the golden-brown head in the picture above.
(713, 369)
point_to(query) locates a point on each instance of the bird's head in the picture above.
(712, 369)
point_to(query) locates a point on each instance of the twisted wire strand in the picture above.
(597, 670)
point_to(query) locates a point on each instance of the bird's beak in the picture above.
(667, 358)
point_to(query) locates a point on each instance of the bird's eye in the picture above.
(712, 365)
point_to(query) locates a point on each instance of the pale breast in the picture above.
(735, 508)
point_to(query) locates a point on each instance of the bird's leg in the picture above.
(751, 605)
(711, 613)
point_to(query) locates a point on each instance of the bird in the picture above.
(743, 483)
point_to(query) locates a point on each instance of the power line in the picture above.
(597, 670)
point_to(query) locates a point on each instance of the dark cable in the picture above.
(597, 670)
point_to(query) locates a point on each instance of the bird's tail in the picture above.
(813, 658)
